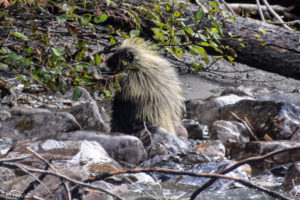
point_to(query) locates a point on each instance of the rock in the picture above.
(291, 181)
(89, 117)
(85, 95)
(4, 115)
(214, 150)
(195, 130)
(52, 183)
(240, 151)
(41, 124)
(122, 148)
(278, 120)
(243, 91)
(19, 111)
(206, 111)
(229, 131)
(292, 98)
(180, 130)
(6, 174)
(158, 141)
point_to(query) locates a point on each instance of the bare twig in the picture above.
(228, 7)
(240, 163)
(30, 169)
(276, 15)
(194, 174)
(246, 124)
(260, 11)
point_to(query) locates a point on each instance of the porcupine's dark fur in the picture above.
(150, 90)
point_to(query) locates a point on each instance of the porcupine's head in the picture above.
(126, 56)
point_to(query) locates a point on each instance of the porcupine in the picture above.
(150, 89)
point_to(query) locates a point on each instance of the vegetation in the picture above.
(61, 44)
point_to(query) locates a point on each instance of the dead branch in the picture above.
(194, 174)
(240, 163)
(32, 170)
(276, 15)
(260, 11)
(246, 124)
(244, 6)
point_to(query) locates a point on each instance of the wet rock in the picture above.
(291, 181)
(278, 120)
(195, 130)
(88, 154)
(229, 131)
(245, 91)
(6, 143)
(50, 183)
(89, 117)
(292, 98)
(206, 111)
(158, 141)
(240, 151)
(213, 150)
(4, 115)
(122, 148)
(41, 124)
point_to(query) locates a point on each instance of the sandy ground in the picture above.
(206, 84)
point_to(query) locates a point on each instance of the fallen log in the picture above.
(264, 46)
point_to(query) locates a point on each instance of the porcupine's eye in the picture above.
(130, 56)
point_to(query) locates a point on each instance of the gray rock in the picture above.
(291, 181)
(229, 131)
(40, 125)
(125, 149)
(195, 130)
(89, 117)
(239, 151)
(158, 141)
(278, 120)
(205, 111)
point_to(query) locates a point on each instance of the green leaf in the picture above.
(168, 8)
(76, 94)
(214, 4)
(20, 35)
(107, 93)
(86, 18)
(57, 51)
(101, 18)
(61, 19)
(97, 59)
(134, 33)
(199, 15)
(263, 31)
(177, 14)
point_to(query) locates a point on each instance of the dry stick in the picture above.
(276, 15)
(29, 169)
(173, 171)
(54, 169)
(260, 11)
(228, 7)
(12, 159)
(242, 162)
(248, 127)
(24, 169)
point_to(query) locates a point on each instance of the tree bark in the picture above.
(277, 51)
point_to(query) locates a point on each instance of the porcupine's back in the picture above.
(150, 90)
